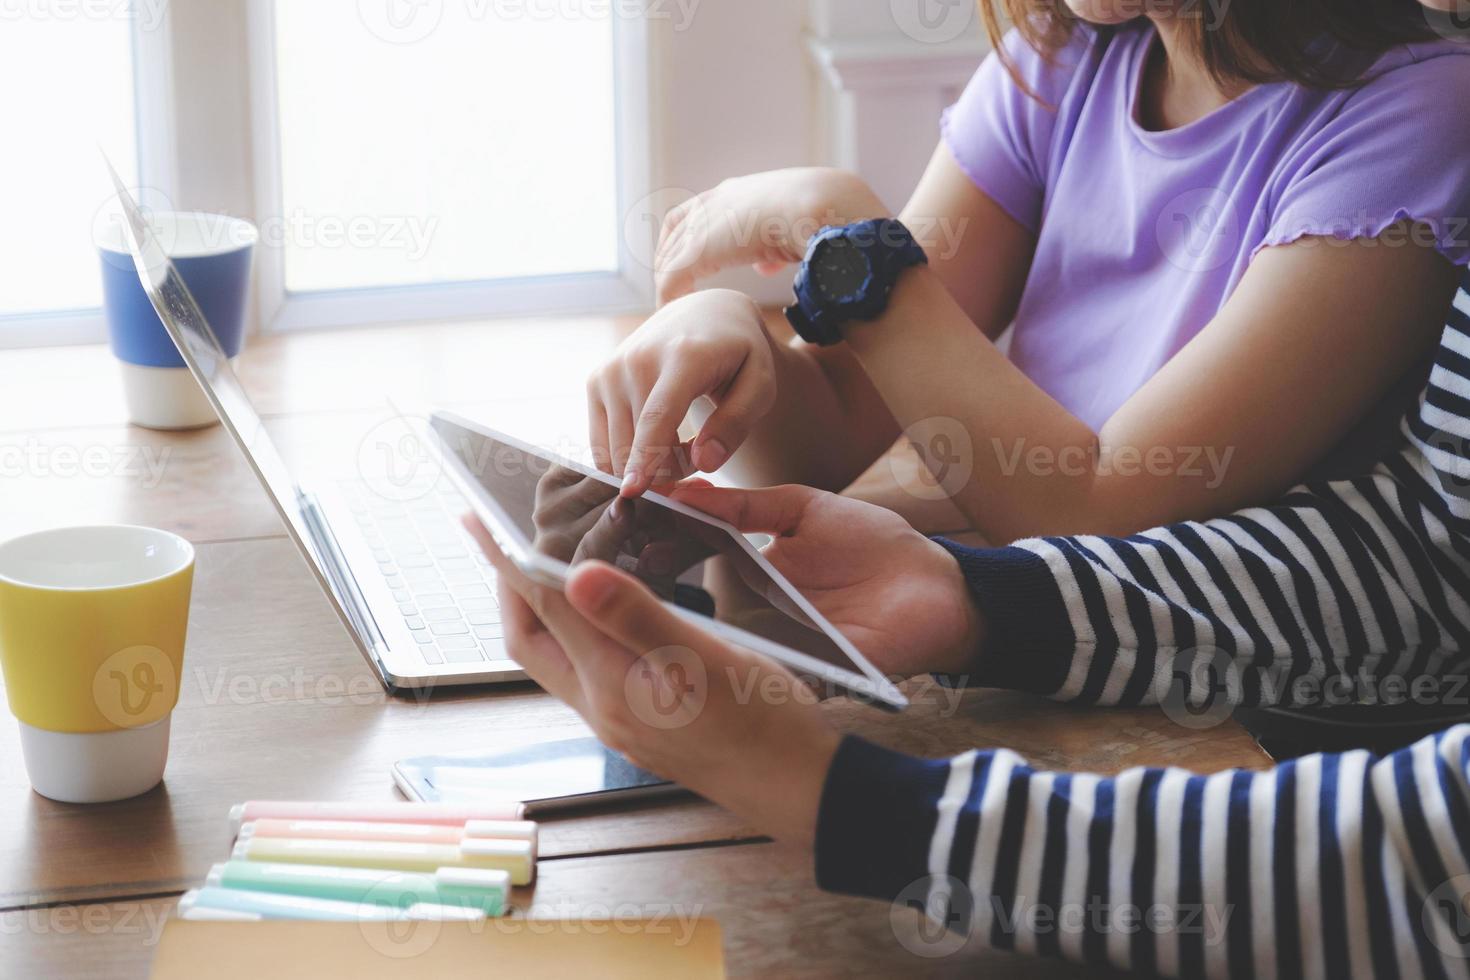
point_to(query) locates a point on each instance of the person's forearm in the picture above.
(1333, 865)
(1305, 602)
(827, 426)
(900, 481)
(1203, 436)
(970, 412)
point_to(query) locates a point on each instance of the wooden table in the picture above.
(277, 703)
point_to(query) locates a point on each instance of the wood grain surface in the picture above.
(277, 702)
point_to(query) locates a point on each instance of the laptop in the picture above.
(413, 590)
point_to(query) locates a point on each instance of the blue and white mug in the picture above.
(213, 254)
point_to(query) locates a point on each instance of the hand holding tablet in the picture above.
(546, 515)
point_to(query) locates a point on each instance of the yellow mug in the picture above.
(92, 626)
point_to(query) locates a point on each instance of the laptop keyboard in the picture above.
(443, 585)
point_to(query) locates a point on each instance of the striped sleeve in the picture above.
(1345, 585)
(1328, 866)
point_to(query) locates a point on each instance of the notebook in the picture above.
(511, 949)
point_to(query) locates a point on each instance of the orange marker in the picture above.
(421, 833)
(386, 812)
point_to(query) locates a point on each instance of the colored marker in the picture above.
(274, 906)
(422, 833)
(204, 912)
(480, 888)
(513, 856)
(389, 812)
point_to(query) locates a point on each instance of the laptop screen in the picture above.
(210, 366)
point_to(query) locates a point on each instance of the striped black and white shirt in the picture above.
(1330, 865)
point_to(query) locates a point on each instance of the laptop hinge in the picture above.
(340, 577)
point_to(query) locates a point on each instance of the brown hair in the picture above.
(1253, 41)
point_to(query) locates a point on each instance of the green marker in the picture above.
(478, 888)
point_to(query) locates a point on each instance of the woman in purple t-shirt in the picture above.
(1186, 217)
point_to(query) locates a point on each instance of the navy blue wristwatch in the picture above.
(847, 275)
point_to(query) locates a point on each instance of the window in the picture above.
(440, 159)
(483, 150)
(69, 84)
(404, 159)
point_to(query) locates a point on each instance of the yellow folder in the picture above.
(507, 949)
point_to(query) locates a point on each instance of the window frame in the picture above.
(626, 289)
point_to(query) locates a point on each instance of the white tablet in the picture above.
(547, 514)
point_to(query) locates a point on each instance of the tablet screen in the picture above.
(573, 515)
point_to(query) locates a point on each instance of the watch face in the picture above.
(838, 269)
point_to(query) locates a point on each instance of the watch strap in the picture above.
(890, 248)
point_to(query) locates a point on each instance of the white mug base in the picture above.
(95, 767)
(165, 398)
